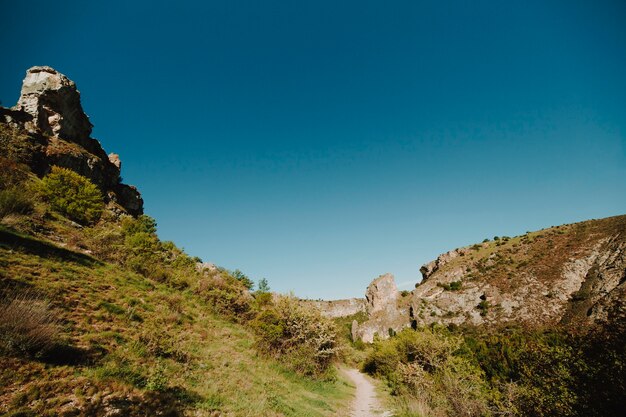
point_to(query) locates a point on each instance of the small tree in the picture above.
(263, 286)
(72, 195)
(243, 278)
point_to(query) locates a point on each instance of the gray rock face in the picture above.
(384, 314)
(381, 293)
(338, 308)
(54, 102)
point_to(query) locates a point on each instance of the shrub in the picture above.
(299, 336)
(227, 296)
(72, 195)
(143, 223)
(14, 201)
(28, 326)
(426, 368)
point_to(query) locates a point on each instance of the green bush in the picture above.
(72, 195)
(227, 296)
(298, 336)
(425, 367)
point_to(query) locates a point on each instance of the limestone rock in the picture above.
(115, 160)
(206, 267)
(431, 267)
(578, 281)
(354, 330)
(337, 308)
(381, 293)
(54, 102)
(55, 131)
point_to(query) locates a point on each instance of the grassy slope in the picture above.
(144, 343)
(542, 253)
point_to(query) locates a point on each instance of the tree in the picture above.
(243, 278)
(263, 286)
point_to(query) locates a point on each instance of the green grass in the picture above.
(178, 353)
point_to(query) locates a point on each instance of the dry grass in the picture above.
(28, 325)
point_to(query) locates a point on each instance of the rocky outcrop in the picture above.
(54, 103)
(48, 127)
(338, 308)
(442, 260)
(385, 315)
(381, 294)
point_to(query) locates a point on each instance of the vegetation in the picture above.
(72, 195)
(14, 201)
(118, 319)
(452, 286)
(518, 372)
(297, 334)
(28, 326)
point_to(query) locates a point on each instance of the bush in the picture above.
(426, 368)
(15, 201)
(299, 336)
(227, 296)
(72, 195)
(27, 326)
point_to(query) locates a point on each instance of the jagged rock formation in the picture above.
(49, 127)
(573, 275)
(386, 314)
(381, 293)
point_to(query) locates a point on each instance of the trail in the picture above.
(366, 403)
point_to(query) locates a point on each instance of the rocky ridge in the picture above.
(572, 275)
(48, 127)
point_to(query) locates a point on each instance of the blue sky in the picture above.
(320, 144)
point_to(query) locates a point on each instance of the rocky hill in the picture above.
(48, 127)
(573, 275)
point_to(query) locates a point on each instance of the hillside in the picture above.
(573, 275)
(98, 316)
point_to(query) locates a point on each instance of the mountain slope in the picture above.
(573, 275)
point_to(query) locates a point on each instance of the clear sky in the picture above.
(322, 143)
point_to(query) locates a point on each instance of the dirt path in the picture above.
(366, 403)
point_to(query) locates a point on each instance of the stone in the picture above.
(381, 293)
(354, 330)
(54, 103)
(337, 308)
(115, 160)
(129, 197)
(203, 267)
